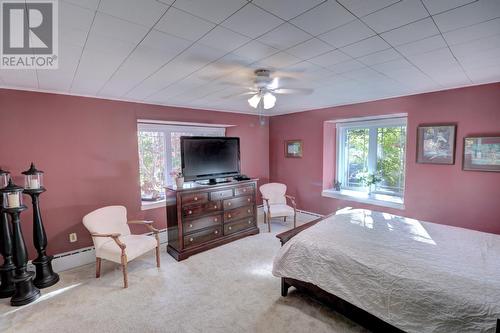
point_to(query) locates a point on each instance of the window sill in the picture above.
(146, 205)
(363, 197)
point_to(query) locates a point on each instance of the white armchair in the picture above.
(113, 240)
(275, 204)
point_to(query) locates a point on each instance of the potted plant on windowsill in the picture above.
(179, 178)
(370, 180)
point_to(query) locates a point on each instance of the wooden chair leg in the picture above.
(157, 250)
(295, 220)
(269, 222)
(284, 218)
(97, 268)
(124, 268)
(265, 218)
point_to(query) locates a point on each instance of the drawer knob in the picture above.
(216, 219)
(249, 199)
(229, 215)
(248, 211)
(216, 232)
(195, 198)
(191, 239)
(249, 221)
(190, 212)
(244, 190)
(215, 207)
(230, 228)
(190, 225)
(229, 204)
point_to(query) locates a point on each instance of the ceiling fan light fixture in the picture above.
(254, 101)
(269, 101)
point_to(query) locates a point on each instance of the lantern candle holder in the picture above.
(33, 186)
(7, 287)
(25, 291)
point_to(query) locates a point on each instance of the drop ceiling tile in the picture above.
(212, 10)
(19, 78)
(394, 16)
(223, 39)
(60, 79)
(485, 74)
(244, 21)
(449, 77)
(347, 34)
(476, 46)
(367, 46)
(411, 32)
(347, 66)
(75, 23)
(472, 13)
(330, 58)
(326, 16)
(89, 4)
(422, 46)
(436, 7)
(393, 66)
(287, 9)
(184, 25)
(279, 60)
(380, 57)
(144, 12)
(153, 52)
(363, 7)
(284, 36)
(473, 59)
(434, 60)
(470, 33)
(309, 49)
(117, 29)
(255, 51)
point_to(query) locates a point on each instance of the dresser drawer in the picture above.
(238, 202)
(192, 198)
(202, 236)
(204, 222)
(219, 195)
(197, 210)
(243, 190)
(233, 227)
(238, 213)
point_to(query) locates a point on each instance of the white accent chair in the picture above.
(113, 241)
(275, 205)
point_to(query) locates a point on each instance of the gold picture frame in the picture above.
(294, 148)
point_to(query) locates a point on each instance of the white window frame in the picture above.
(356, 193)
(167, 129)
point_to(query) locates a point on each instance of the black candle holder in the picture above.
(7, 287)
(45, 276)
(25, 290)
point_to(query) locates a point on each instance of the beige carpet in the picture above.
(227, 289)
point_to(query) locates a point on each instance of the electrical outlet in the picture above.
(72, 237)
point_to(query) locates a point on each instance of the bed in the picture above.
(395, 274)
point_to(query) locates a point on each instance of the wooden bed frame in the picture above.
(343, 307)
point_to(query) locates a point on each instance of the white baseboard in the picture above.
(84, 256)
(261, 207)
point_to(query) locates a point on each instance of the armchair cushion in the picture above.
(136, 245)
(278, 210)
(274, 192)
(107, 220)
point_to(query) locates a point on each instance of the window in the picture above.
(160, 153)
(372, 147)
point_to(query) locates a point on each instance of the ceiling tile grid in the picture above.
(194, 53)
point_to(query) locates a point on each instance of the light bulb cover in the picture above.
(254, 101)
(269, 101)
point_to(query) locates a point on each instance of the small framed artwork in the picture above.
(294, 148)
(482, 153)
(436, 144)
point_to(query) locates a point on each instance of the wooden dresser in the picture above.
(201, 217)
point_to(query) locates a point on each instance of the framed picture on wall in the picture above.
(482, 153)
(436, 144)
(294, 148)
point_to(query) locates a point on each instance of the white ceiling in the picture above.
(193, 53)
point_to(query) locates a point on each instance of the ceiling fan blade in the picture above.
(240, 94)
(274, 83)
(290, 91)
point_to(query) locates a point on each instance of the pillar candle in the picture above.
(13, 200)
(33, 183)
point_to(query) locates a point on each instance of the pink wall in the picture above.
(88, 150)
(436, 193)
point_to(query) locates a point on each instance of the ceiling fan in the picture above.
(265, 88)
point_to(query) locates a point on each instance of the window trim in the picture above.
(378, 198)
(167, 128)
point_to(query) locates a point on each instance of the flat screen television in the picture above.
(210, 157)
